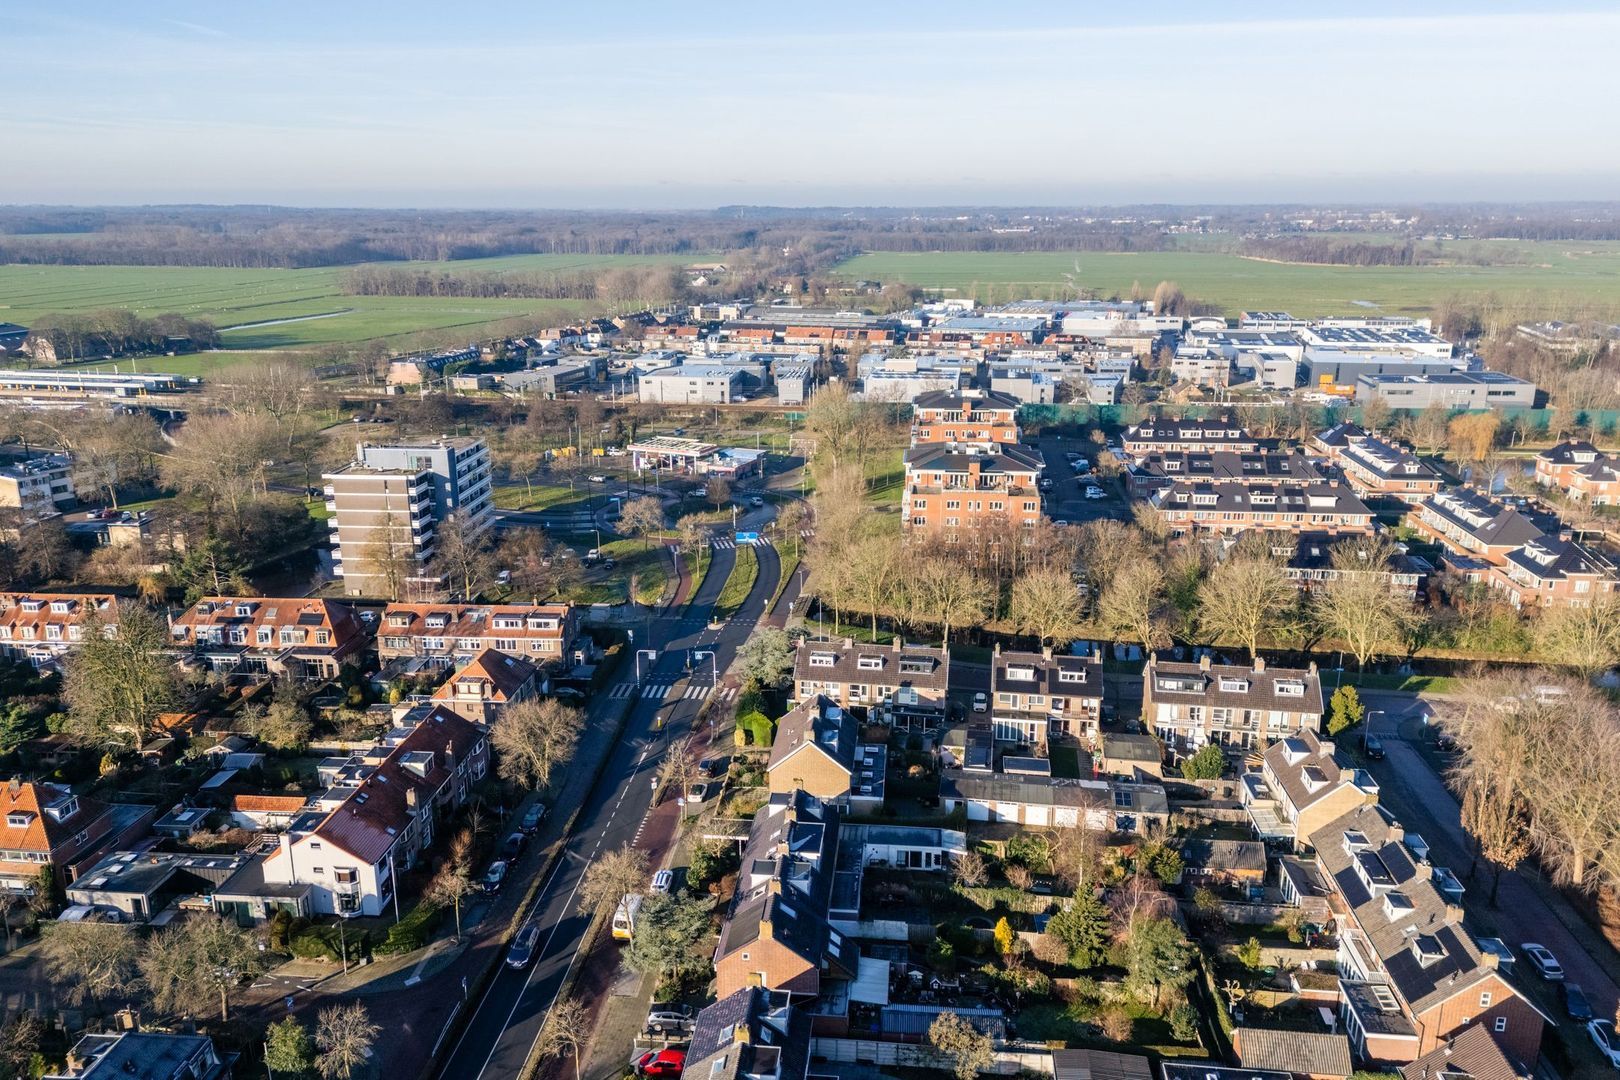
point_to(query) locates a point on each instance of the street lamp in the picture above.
(650, 652)
(714, 664)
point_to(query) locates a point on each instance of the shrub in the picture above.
(1184, 1023)
(311, 943)
(1116, 1025)
(410, 933)
(1207, 764)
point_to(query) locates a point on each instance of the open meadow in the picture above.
(271, 309)
(1574, 280)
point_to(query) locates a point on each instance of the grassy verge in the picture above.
(540, 497)
(1412, 684)
(790, 566)
(632, 558)
(744, 572)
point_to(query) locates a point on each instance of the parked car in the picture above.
(514, 845)
(663, 881)
(1375, 748)
(756, 501)
(981, 702)
(495, 876)
(1542, 959)
(523, 946)
(709, 766)
(1608, 1042)
(670, 1018)
(597, 478)
(1576, 1003)
(661, 1063)
(1046, 483)
(532, 817)
(1095, 492)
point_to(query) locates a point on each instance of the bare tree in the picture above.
(89, 961)
(1132, 605)
(1247, 599)
(1583, 637)
(463, 556)
(344, 1036)
(948, 594)
(641, 517)
(1358, 604)
(613, 877)
(223, 457)
(388, 555)
(969, 870)
(873, 565)
(453, 883)
(184, 967)
(534, 738)
(717, 491)
(565, 1030)
(1046, 602)
(532, 560)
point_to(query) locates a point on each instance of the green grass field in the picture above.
(1563, 280)
(235, 300)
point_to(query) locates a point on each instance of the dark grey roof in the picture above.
(1209, 1070)
(1099, 1065)
(1388, 461)
(1267, 498)
(149, 1055)
(1552, 559)
(1234, 686)
(1474, 1054)
(1161, 429)
(1483, 518)
(1341, 435)
(1427, 954)
(1224, 854)
(1308, 767)
(1053, 791)
(1122, 747)
(1047, 671)
(754, 1032)
(1315, 1053)
(1230, 465)
(976, 400)
(818, 725)
(959, 457)
(916, 666)
(1571, 452)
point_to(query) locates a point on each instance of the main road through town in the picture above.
(505, 1023)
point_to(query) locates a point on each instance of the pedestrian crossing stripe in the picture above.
(697, 693)
(655, 690)
(726, 693)
(723, 545)
(622, 691)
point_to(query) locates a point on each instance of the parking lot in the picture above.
(1066, 500)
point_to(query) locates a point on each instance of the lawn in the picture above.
(632, 558)
(306, 307)
(541, 497)
(744, 572)
(1555, 277)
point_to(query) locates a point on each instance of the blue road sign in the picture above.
(748, 538)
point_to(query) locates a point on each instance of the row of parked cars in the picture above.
(1576, 1004)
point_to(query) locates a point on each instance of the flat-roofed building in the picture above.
(691, 384)
(1412, 340)
(386, 509)
(39, 486)
(1451, 390)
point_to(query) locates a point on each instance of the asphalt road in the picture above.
(1410, 788)
(506, 1021)
(1066, 501)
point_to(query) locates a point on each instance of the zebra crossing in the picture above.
(726, 543)
(659, 691)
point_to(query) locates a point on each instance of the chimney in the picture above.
(1422, 871)
(1312, 667)
(898, 644)
(1454, 914)
(1046, 651)
(765, 931)
(1325, 747)
(1203, 662)
(1259, 663)
(996, 649)
(16, 787)
(1397, 832)
(849, 643)
(1490, 961)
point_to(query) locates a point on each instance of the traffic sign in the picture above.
(747, 538)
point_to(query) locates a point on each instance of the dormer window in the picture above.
(1235, 686)
(61, 607)
(244, 611)
(1427, 949)
(822, 659)
(870, 663)
(33, 605)
(1289, 688)
(1021, 674)
(1396, 906)
(19, 819)
(1071, 675)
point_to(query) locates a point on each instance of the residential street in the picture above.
(1410, 788)
(505, 1022)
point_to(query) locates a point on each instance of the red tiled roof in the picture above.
(41, 833)
(248, 804)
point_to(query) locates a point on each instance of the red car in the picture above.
(661, 1063)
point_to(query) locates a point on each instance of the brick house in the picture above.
(384, 808)
(50, 826)
(906, 684)
(1163, 468)
(1411, 975)
(1191, 705)
(1191, 507)
(452, 634)
(1377, 469)
(816, 750)
(487, 684)
(1043, 802)
(1036, 696)
(1304, 782)
(964, 416)
(40, 628)
(954, 486)
(1549, 572)
(1582, 470)
(296, 636)
(1472, 524)
(776, 935)
(1196, 436)
(753, 1034)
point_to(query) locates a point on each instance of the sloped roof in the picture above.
(42, 832)
(1474, 1053)
(770, 1038)
(507, 674)
(1316, 1053)
(1261, 692)
(818, 725)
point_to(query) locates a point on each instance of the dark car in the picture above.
(1575, 1001)
(494, 877)
(514, 845)
(523, 947)
(532, 817)
(1375, 748)
(661, 1063)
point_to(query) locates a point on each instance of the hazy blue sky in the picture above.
(669, 104)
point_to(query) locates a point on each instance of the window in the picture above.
(1500, 1025)
(1485, 1000)
(821, 659)
(1071, 675)
(1289, 688)
(870, 663)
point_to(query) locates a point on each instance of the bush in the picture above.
(412, 932)
(759, 729)
(311, 943)
(1116, 1025)
(1184, 1023)
(1207, 764)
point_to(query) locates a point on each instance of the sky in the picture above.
(674, 105)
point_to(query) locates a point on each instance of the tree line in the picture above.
(117, 332)
(647, 285)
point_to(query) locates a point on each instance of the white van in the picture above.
(624, 917)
